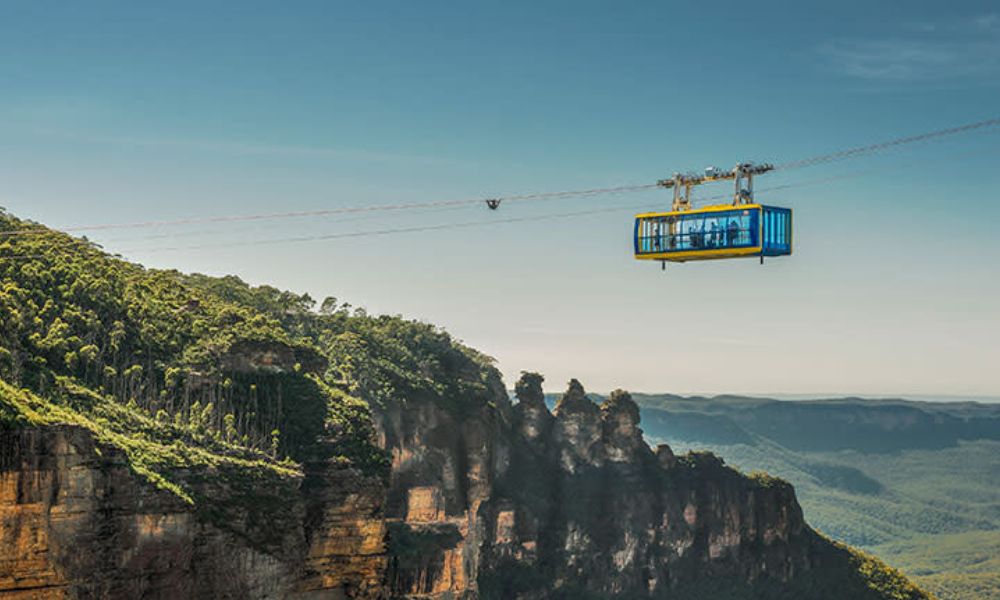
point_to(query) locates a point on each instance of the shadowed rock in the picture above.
(528, 390)
(665, 456)
(575, 400)
(533, 416)
(622, 437)
(579, 429)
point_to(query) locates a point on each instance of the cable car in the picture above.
(739, 229)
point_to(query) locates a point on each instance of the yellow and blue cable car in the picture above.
(739, 229)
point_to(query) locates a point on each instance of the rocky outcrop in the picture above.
(269, 357)
(512, 501)
(444, 468)
(75, 522)
(488, 499)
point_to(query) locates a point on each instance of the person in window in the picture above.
(732, 232)
(714, 238)
(696, 236)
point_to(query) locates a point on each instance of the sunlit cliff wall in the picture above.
(75, 522)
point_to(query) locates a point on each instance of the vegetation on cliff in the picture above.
(154, 449)
(189, 371)
(873, 575)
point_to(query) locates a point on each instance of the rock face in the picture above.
(514, 501)
(75, 522)
(484, 500)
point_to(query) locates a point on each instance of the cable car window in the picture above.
(713, 232)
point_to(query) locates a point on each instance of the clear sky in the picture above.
(126, 111)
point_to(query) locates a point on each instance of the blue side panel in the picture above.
(635, 236)
(777, 231)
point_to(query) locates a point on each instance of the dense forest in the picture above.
(183, 369)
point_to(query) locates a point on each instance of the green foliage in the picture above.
(955, 566)
(888, 582)
(386, 359)
(11, 416)
(962, 586)
(766, 480)
(379, 359)
(205, 362)
(118, 329)
(700, 459)
(349, 421)
(155, 450)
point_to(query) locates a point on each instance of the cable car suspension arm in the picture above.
(740, 173)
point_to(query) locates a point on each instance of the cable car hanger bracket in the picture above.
(682, 183)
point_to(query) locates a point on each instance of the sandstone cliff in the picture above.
(516, 502)
(75, 522)
(496, 500)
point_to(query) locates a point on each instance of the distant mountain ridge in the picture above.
(915, 482)
(869, 425)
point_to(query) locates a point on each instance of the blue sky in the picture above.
(115, 112)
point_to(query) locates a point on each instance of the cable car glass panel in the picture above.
(688, 234)
(777, 226)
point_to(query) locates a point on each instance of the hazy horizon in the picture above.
(801, 396)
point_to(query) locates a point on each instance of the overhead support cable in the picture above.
(872, 148)
(492, 202)
(470, 224)
(350, 209)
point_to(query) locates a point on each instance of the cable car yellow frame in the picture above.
(714, 232)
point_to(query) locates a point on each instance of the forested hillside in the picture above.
(186, 369)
